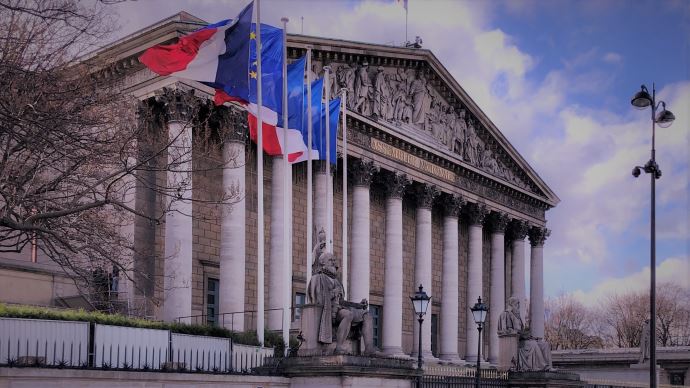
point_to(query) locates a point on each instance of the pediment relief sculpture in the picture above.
(404, 98)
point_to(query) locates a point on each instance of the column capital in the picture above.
(518, 229)
(362, 172)
(499, 221)
(395, 184)
(538, 235)
(476, 213)
(151, 114)
(452, 204)
(232, 124)
(179, 104)
(426, 194)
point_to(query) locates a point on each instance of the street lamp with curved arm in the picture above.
(664, 118)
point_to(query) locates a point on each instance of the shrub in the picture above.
(271, 339)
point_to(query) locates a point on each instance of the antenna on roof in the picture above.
(302, 31)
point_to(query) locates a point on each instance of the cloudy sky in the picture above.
(556, 77)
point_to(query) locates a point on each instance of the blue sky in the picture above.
(556, 77)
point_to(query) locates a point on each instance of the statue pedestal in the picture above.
(507, 351)
(345, 371)
(311, 315)
(544, 380)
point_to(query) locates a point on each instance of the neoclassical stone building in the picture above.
(436, 196)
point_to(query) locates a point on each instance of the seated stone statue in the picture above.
(534, 354)
(326, 290)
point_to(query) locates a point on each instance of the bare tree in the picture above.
(70, 141)
(623, 316)
(569, 324)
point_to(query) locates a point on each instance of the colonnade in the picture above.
(478, 217)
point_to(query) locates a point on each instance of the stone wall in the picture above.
(70, 378)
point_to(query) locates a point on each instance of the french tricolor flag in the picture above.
(223, 56)
(217, 55)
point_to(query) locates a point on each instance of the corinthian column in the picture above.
(422, 269)
(233, 221)
(361, 173)
(181, 107)
(476, 213)
(449, 282)
(395, 185)
(518, 231)
(537, 236)
(499, 222)
(321, 181)
(276, 268)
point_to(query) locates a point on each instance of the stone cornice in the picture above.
(361, 131)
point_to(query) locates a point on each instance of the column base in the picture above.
(451, 359)
(396, 352)
(427, 357)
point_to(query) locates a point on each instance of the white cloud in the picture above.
(612, 57)
(585, 155)
(673, 270)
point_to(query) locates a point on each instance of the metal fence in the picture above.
(435, 381)
(45, 342)
(67, 344)
(129, 347)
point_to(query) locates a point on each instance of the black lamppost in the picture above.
(479, 312)
(420, 302)
(664, 118)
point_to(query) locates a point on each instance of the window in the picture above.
(300, 299)
(375, 312)
(434, 334)
(212, 293)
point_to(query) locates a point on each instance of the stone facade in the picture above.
(406, 116)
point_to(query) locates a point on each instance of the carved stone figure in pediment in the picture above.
(363, 90)
(382, 95)
(471, 144)
(418, 91)
(489, 163)
(345, 78)
(401, 80)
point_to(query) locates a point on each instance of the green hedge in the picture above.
(271, 339)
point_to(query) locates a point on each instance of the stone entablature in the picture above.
(369, 140)
(413, 94)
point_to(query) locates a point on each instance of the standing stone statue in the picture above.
(471, 144)
(533, 353)
(380, 94)
(326, 291)
(419, 94)
(645, 337)
(319, 248)
(345, 77)
(363, 90)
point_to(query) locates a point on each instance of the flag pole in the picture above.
(310, 198)
(287, 188)
(329, 184)
(344, 129)
(260, 187)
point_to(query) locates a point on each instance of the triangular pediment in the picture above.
(410, 90)
(406, 89)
